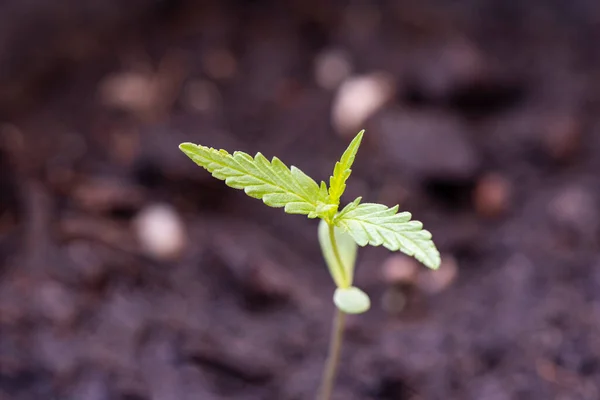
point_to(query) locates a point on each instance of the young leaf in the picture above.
(272, 182)
(351, 300)
(376, 224)
(342, 171)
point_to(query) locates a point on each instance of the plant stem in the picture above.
(333, 357)
(336, 254)
(337, 330)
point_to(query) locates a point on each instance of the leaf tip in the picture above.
(438, 261)
(435, 260)
(355, 144)
(187, 147)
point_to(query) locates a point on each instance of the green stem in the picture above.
(333, 357)
(336, 254)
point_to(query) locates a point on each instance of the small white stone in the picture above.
(129, 91)
(357, 99)
(331, 68)
(160, 231)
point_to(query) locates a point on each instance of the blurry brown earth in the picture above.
(489, 134)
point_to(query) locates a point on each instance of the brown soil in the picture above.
(95, 96)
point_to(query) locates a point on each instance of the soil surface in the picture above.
(128, 273)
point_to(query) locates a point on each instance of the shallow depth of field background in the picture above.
(128, 273)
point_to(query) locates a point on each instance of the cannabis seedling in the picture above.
(339, 232)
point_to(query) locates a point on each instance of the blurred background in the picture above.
(129, 273)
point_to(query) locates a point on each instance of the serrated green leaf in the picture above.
(323, 193)
(273, 182)
(376, 224)
(342, 171)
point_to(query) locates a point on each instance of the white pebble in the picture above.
(331, 68)
(357, 99)
(129, 91)
(160, 231)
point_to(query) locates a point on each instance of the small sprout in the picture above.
(340, 232)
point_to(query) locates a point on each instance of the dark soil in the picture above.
(492, 140)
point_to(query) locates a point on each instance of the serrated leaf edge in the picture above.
(342, 169)
(428, 254)
(261, 164)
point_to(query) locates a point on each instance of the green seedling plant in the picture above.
(340, 231)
